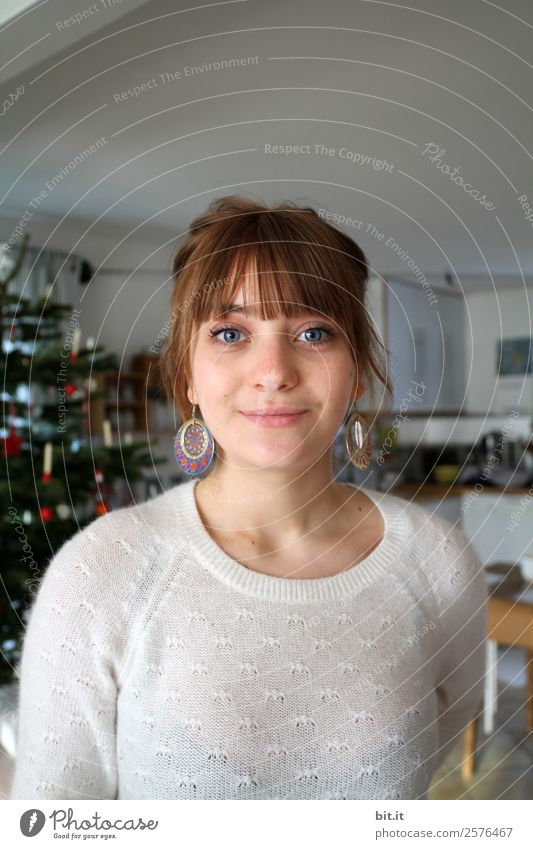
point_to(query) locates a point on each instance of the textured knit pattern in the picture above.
(157, 667)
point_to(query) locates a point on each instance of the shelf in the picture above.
(140, 381)
(125, 404)
(431, 414)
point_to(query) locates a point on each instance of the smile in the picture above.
(275, 420)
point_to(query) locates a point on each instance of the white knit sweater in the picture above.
(157, 667)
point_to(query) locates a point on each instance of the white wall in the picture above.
(491, 311)
(506, 310)
(125, 314)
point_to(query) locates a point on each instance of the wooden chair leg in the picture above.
(468, 763)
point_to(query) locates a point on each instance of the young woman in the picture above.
(258, 631)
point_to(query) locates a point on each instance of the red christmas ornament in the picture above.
(46, 477)
(70, 388)
(12, 443)
(46, 513)
(101, 508)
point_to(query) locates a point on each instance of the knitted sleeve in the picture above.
(67, 704)
(461, 595)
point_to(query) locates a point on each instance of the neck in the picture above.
(278, 506)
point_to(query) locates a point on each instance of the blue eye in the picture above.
(215, 333)
(321, 329)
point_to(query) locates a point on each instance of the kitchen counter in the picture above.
(496, 519)
(431, 491)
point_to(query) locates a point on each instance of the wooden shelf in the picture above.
(432, 414)
(125, 405)
(140, 380)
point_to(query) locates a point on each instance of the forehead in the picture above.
(260, 286)
(249, 306)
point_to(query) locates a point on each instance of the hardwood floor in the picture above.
(504, 760)
(6, 771)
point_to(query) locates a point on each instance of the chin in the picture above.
(269, 461)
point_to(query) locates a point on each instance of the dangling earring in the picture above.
(194, 446)
(358, 442)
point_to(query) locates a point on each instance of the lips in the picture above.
(275, 417)
(274, 411)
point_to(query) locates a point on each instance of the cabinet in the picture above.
(447, 508)
(426, 342)
(499, 525)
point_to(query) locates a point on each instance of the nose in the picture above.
(273, 367)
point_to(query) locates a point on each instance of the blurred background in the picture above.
(409, 128)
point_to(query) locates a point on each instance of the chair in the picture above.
(510, 623)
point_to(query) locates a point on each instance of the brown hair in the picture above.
(301, 261)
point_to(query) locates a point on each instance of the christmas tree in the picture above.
(58, 476)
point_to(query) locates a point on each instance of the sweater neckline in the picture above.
(307, 590)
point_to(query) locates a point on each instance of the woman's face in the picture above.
(241, 364)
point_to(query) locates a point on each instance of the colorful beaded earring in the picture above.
(194, 446)
(358, 442)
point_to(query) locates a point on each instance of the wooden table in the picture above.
(510, 623)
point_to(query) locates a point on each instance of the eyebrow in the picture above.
(242, 308)
(249, 310)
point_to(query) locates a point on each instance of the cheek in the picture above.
(220, 378)
(336, 374)
(215, 385)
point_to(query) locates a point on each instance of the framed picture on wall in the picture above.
(513, 357)
(514, 387)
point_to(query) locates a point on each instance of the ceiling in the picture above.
(390, 105)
